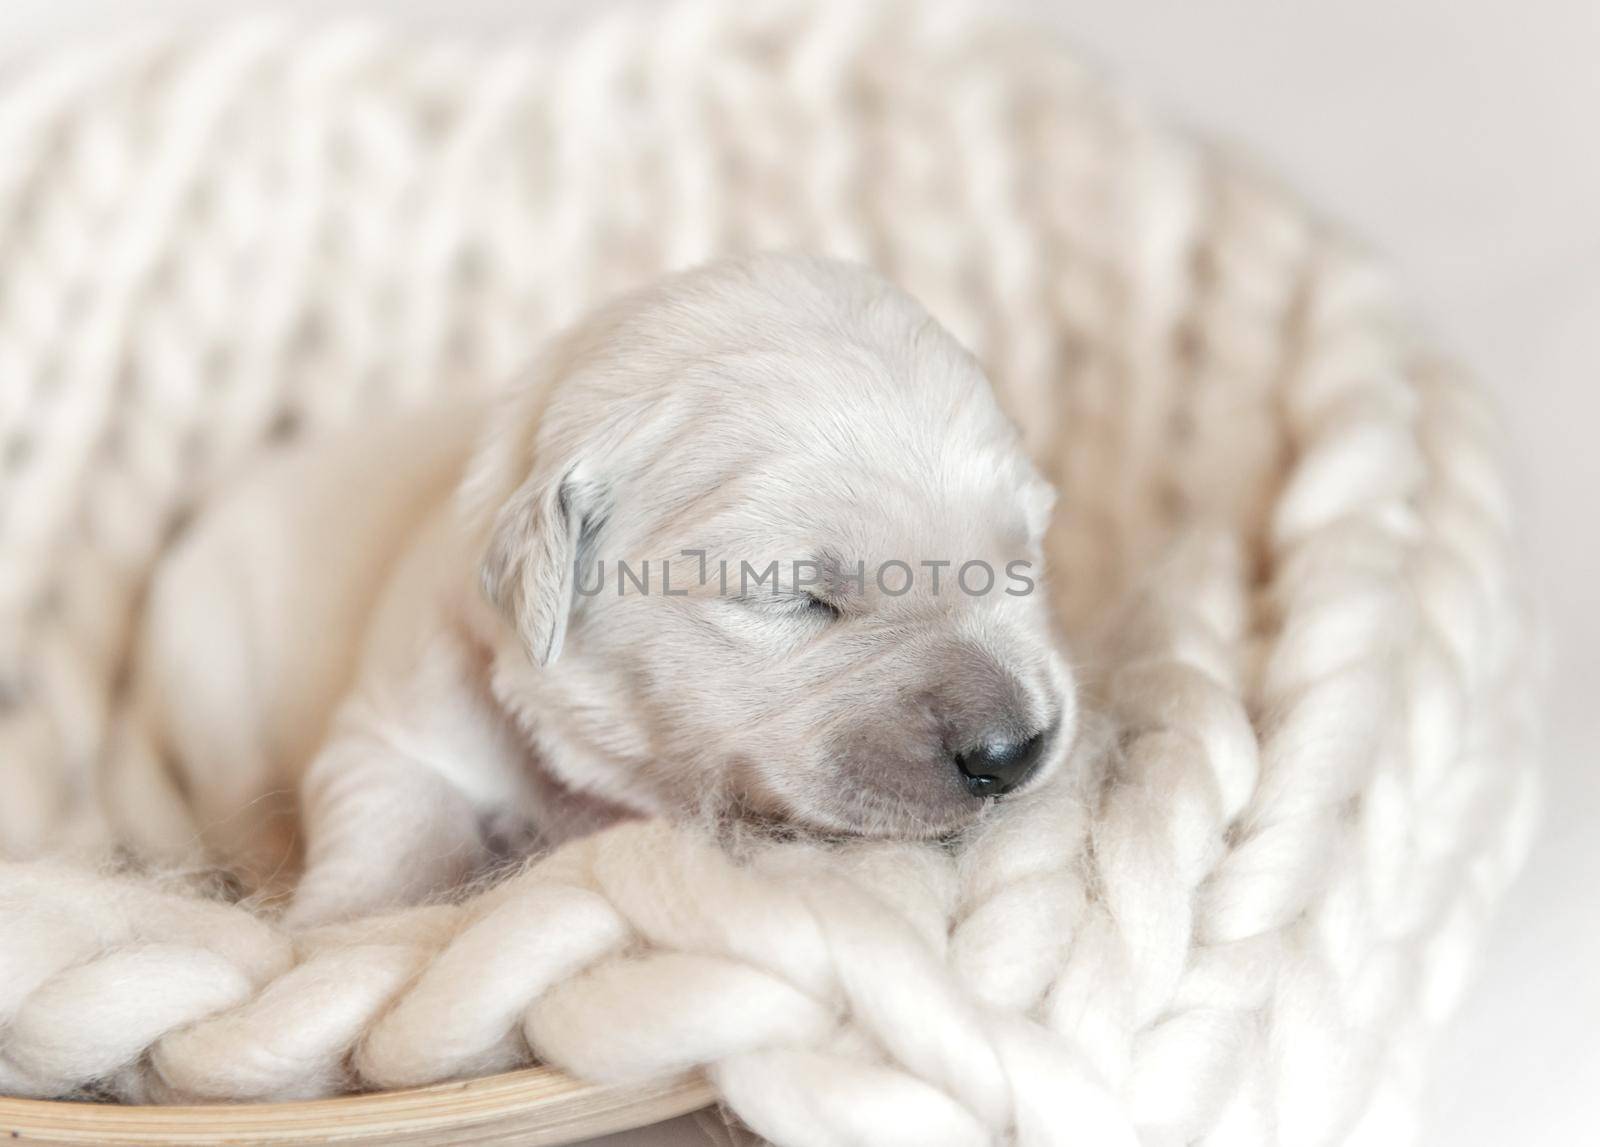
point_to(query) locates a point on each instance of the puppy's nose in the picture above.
(1000, 764)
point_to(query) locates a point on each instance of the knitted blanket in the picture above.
(1284, 552)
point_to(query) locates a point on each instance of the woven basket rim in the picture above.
(540, 1107)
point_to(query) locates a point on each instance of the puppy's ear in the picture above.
(535, 546)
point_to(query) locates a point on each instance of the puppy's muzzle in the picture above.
(1001, 764)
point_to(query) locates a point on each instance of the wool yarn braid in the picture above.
(1285, 552)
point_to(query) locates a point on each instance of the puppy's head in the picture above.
(765, 542)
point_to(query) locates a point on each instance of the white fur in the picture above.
(326, 627)
(1245, 923)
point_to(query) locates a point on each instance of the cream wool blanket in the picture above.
(1284, 551)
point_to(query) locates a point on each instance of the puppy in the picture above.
(723, 552)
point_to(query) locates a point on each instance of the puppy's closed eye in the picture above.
(789, 605)
(820, 608)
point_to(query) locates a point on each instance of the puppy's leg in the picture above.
(382, 830)
(419, 756)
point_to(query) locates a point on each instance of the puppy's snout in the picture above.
(1000, 764)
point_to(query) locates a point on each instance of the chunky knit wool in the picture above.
(1284, 553)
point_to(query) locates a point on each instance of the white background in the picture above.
(1460, 137)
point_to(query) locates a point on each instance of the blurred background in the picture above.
(1460, 139)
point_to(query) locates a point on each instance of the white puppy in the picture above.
(755, 541)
